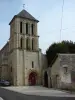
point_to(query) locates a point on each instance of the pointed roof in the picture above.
(24, 14)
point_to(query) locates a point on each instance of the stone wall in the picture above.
(22, 58)
(4, 69)
(60, 78)
(55, 74)
(66, 60)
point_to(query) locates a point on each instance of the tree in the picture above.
(61, 47)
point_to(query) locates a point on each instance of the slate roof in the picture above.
(24, 14)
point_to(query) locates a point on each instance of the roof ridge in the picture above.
(24, 14)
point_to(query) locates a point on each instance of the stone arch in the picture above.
(45, 79)
(32, 78)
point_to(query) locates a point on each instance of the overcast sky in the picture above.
(48, 12)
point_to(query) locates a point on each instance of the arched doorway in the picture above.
(32, 78)
(45, 79)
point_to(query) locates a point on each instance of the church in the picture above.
(21, 59)
(23, 63)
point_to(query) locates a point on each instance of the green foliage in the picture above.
(61, 47)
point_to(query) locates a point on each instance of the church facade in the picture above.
(21, 60)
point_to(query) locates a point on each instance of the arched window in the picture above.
(11, 69)
(21, 42)
(20, 27)
(32, 64)
(26, 28)
(27, 43)
(32, 28)
(32, 44)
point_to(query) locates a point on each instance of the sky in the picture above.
(48, 12)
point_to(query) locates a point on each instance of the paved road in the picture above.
(40, 90)
(34, 93)
(1, 98)
(10, 95)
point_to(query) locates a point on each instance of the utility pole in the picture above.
(61, 20)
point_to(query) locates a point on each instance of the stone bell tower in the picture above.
(25, 55)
